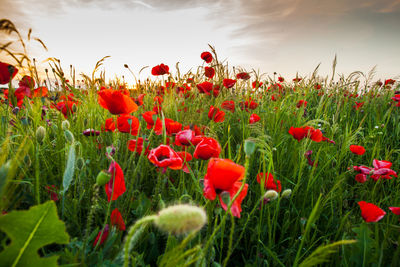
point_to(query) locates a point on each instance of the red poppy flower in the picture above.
(117, 220)
(254, 118)
(40, 92)
(307, 131)
(184, 138)
(206, 56)
(65, 107)
(297, 133)
(228, 105)
(186, 157)
(207, 148)
(205, 87)
(297, 79)
(209, 72)
(389, 82)
(117, 181)
(128, 124)
(164, 156)
(24, 90)
(116, 101)
(7, 72)
(301, 103)
(109, 125)
(256, 84)
(216, 90)
(379, 164)
(317, 86)
(139, 99)
(357, 106)
(361, 178)
(243, 76)
(225, 175)
(103, 236)
(27, 81)
(362, 169)
(172, 127)
(281, 79)
(215, 114)
(160, 70)
(228, 83)
(136, 145)
(269, 182)
(371, 212)
(395, 210)
(359, 150)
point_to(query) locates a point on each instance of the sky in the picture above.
(283, 36)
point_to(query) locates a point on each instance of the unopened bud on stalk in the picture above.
(40, 134)
(271, 195)
(65, 125)
(74, 108)
(102, 178)
(27, 160)
(286, 193)
(181, 219)
(69, 136)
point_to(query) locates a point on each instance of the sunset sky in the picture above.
(284, 36)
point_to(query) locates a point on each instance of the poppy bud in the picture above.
(65, 125)
(286, 193)
(271, 195)
(102, 178)
(181, 219)
(74, 108)
(40, 134)
(249, 147)
(80, 163)
(69, 136)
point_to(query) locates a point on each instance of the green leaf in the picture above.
(29, 231)
(69, 169)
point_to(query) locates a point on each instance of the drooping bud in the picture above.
(69, 136)
(271, 195)
(40, 134)
(65, 125)
(74, 108)
(181, 219)
(286, 193)
(102, 178)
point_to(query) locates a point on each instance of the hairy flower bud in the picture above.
(181, 219)
(69, 136)
(40, 134)
(65, 125)
(286, 193)
(271, 195)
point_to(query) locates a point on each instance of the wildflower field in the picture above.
(216, 167)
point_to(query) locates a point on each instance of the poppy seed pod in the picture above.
(249, 147)
(69, 136)
(103, 178)
(181, 219)
(65, 125)
(40, 134)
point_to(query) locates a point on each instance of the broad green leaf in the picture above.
(29, 231)
(69, 169)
